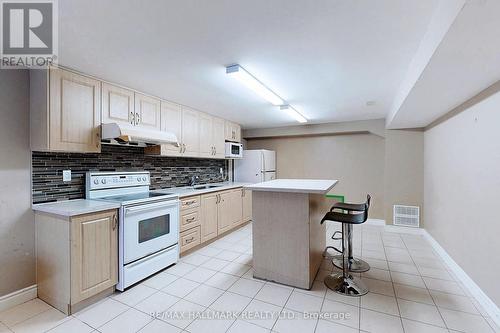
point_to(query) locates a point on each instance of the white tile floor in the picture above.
(411, 290)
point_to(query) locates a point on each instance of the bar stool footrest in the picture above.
(356, 266)
(328, 255)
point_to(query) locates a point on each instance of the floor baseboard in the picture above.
(489, 306)
(18, 297)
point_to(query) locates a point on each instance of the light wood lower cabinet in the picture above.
(77, 258)
(247, 204)
(189, 239)
(209, 216)
(189, 224)
(230, 210)
(217, 213)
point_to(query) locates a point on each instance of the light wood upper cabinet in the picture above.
(147, 111)
(211, 131)
(209, 216)
(94, 254)
(232, 132)
(185, 123)
(171, 121)
(218, 137)
(65, 111)
(247, 204)
(205, 135)
(190, 134)
(117, 105)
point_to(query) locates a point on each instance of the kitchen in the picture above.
(173, 171)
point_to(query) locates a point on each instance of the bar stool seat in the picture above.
(356, 265)
(344, 283)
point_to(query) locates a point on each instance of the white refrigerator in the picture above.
(256, 166)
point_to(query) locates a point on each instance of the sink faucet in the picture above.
(193, 180)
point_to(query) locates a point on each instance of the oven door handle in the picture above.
(142, 208)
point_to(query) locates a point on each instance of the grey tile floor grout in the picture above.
(433, 299)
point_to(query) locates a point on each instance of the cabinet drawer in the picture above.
(191, 202)
(189, 219)
(190, 238)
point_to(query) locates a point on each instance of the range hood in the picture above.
(126, 134)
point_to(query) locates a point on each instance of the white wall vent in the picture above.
(407, 216)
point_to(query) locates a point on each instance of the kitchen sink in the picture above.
(204, 187)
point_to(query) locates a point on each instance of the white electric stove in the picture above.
(149, 223)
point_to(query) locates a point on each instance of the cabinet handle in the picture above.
(188, 203)
(189, 240)
(215, 150)
(183, 147)
(137, 119)
(132, 118)
(218, 198)
(115, 222)
(191, 219)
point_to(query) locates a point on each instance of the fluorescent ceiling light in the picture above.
(251, 82)
(293, 113)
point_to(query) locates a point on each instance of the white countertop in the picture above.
(74, 207)
(83, 206)
(187, 191)
(316, 186)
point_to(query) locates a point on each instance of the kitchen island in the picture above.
(288, 239)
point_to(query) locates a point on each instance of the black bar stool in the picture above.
(344, 283)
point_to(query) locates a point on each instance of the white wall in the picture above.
(462, 190)
(357, 161)
(17, 261)
(404, 171)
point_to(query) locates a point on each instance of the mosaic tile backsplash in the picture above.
(165, 171)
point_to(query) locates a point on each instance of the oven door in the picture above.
(149, 228)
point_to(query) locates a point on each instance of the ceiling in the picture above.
(465, 63)
(327, 58)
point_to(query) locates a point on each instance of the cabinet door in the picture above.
(190, 134)
(117, 105)
(232, 132)
(230, 210)
(218, 137)
(147, 112)
(228, 131)
(247, 205)
(94, 254)
(209, 216)
(237, 132)
(224, 212)
(74, 112)
(205, 135)
(236, 207)
(171, 121)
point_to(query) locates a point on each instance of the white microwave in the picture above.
(234, 150)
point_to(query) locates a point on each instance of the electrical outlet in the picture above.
(66, 175)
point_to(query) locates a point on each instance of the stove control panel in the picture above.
(105, 180)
